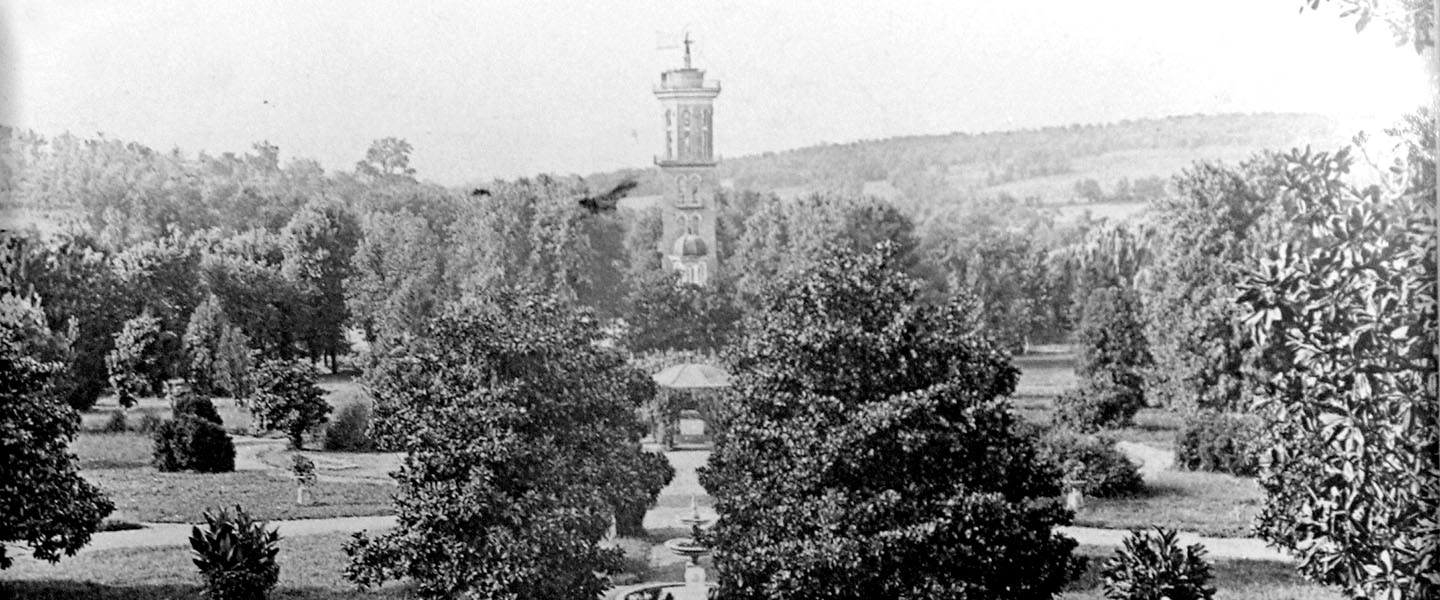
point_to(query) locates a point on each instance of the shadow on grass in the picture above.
(1234, 578)
(86, 590)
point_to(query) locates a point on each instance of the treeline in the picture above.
(942, 168)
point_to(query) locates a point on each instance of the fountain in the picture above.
(690, 547)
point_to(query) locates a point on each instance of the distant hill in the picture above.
(1107, 169)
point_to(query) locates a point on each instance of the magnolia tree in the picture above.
(520, 435)
(44, 502)
(871, 454)
(1345, 305)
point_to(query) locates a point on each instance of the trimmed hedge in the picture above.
(1221, 442)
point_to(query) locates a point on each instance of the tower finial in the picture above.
(687, 49)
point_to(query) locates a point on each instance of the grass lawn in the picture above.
(311, 568)
(1234, 580)
(1211, 504)
(119, 464)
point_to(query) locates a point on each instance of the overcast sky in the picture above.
(502, 89)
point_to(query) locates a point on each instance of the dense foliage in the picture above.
(44, 502)
(1345, 307)
(1222, 442)
(870, 453)
(650, 474)
(520, 433)
(1112, 359)
(349, 431)
(1091, 463)
(1211, 228)
(236, 555)
(1153, 566)
(289, 399)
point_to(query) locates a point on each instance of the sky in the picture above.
(505, 89)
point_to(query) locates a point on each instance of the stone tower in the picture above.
(687, 169)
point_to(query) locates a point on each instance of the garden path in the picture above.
(673, 503)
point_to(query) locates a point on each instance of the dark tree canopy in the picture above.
(521, 434)
(44, 502)
(870, 452)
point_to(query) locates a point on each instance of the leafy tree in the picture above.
(136, 364)
(288, 398)
(519, 431)
(1112, 342)
(1210, 229)
(320, 242)
(270, 308)
(202, 337)
(664, 314)
(397, 282)
(85, 300)
(871, 453)
(387, 158)
(218, 353)
(1344, 305)
(534, 233)
(44, 502)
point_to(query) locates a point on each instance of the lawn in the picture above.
(1048, 371)
(343, 390)
(119, 464)
(1234, 580)
(311, 568)
(1210, 504)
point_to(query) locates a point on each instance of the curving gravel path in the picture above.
(674, 503)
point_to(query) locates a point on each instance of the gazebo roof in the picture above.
(692, 375)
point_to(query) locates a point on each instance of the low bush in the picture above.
(349, 431)
(149, 422)
(195, 405)
(1091, 463)
(117, 423)
(1220, 442)
(1151, 566)
(1104, 402)
(236, 556)
(191, 443)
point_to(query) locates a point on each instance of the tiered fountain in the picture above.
(690, 547)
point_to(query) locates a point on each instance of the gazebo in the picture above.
(687, 401)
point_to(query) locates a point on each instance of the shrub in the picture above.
(1091, 463)
(192, 443)
(1100, 404)
(1152, 566)
(1221, 442)
(1110, 336)
(650, 473)
(236, 556)
(149, 422)
(349, 430)
(117, 423)
(136, 365)
(287, 398)
(195, 405)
